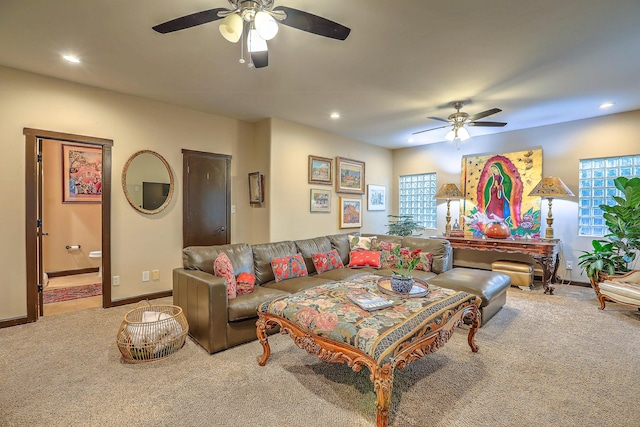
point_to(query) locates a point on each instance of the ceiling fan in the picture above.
(458, 120)
(256, 21)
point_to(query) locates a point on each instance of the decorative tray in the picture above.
(420, 288)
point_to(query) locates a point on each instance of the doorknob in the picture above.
(44, 234)
(222, 229)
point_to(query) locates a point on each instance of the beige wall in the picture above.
(563, 145)
(139, 242)
(66, 223)
(289, 190)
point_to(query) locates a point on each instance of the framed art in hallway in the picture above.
(256, 189)
(350, 212)
(376, 197)
(320, 170)
(81, 174)
(320, 200)
(349, 176)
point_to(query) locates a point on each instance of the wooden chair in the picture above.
(621, 289)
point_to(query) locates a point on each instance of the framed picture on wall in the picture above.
(256, 189)
(81, 174)
(350, 212)
(320, 200)
(320, 170)
(350, 176)
(376, 197)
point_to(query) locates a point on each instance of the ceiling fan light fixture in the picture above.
(463, 134)
(231, 27)
(450, 136)
(255, 43)
(265, 24)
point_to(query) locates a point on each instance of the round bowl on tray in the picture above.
(420, 288)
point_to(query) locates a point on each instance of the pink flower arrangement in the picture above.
(406, 260)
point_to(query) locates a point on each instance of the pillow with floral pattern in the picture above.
(222, 267)
(289, 267)
(325, 261)
(426, 259)
(387, 258)
(245, 283)
(362, 258)
(359, 242)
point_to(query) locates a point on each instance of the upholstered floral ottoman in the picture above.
(324, 321)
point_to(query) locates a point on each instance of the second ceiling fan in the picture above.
(257, 22)
(459, 120)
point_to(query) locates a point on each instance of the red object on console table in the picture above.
(544, 252)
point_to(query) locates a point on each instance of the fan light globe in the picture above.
(231, 27)
(265, 24)
(463, 134)
(255, 43)
(450, 136)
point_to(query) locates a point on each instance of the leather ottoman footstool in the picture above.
(488, 285)
(521, 273)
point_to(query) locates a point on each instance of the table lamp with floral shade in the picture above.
(550, 188)
(448, 191)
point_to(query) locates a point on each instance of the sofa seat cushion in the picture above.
(245, 306)
(297, 284)
(485, 284)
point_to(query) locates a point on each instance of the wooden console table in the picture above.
(544, 252)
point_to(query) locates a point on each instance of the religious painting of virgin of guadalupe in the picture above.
(496, 188)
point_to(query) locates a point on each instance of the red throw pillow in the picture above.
(289, 267)
(364, 259)
(426, 259)
(222, 267)
(245, 283)
(325, 261)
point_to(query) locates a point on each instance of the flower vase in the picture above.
(401, 284)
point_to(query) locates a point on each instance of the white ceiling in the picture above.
(541, 62)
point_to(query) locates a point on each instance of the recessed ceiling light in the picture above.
(335, 116)
(607, 104)
(71, 58)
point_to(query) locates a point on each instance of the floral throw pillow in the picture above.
(288, 267)
(426, 259)
(387, 258)
(362, 258)
(222, 267)
(245, 283)
(325, 261)
(359, 242)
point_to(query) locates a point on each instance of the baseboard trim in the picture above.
(62, 273)
(139, 298)
(13, 322)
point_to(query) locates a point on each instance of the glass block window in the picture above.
(596, 188)
(417, 198)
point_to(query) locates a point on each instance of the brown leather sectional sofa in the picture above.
(217, 323)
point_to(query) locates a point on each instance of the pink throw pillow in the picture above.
(222, 267)
(325, 261)
(245, 283)
(364, 259)
(289, 267)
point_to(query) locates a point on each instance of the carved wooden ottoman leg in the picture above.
(382, 378)
(261, 328)
(475, 316)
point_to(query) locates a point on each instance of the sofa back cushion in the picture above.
(340, 242)
(386, 238)
(202, 257)
(440, 248)
(308, 247)
(262, 254)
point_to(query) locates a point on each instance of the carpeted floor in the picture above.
(543, 361)
(67, 294)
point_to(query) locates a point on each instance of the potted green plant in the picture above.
(402, 225)
(619, 249)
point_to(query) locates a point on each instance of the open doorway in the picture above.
(65, 255)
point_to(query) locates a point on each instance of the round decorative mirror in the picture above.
(147, 182)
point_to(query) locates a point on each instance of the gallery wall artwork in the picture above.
(81, 174)
(320, 200)
(349, 176)
(350, 212)
(320, 170)
(496, 188)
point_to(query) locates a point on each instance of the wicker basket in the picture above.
(152, 332)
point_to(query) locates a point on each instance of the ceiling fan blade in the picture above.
(260, 59)
(189, 21)
(487, 124)
(312, 23)
(438, 118)
(428, 130)
(484, 114)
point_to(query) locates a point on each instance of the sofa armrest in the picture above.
(203, 299)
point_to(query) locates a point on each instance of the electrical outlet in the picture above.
(116, 281)
(155, 274)
(145, 276)
(569, 265)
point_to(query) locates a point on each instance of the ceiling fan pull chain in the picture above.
(241, 60)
